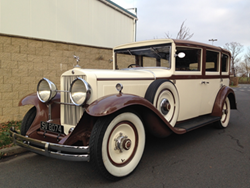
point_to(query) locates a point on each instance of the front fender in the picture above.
(41, 110)
(220, 99)
(112, 103)
(152, 118)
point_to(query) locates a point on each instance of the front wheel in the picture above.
(28, 120)
(117, 144)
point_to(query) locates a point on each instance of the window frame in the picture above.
(116, 52)
(184, 72)
(218, 62)
(227, 64)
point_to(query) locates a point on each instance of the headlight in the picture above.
(80, 92)
(46, 90)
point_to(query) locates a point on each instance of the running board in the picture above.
(195, 123)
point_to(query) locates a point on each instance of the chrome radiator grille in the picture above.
(70, 114)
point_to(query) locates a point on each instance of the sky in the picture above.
(224, 20)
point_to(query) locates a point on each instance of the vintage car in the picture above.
(156, 87)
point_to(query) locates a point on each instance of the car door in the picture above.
(188, 74)
(211, 82)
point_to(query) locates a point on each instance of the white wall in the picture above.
(88, 22)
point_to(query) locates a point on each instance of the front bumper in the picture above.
(65, 152)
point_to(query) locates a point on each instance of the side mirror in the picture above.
(180, 55)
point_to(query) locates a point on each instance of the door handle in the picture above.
(203, 82)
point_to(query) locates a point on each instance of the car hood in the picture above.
(130, 73)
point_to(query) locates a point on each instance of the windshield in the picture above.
(150, 56)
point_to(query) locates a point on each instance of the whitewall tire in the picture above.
(226, 112)
(116, 144)
(164, 96)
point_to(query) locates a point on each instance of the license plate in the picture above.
(52, 127)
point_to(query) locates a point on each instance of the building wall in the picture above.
(88, 22)
(24, 61)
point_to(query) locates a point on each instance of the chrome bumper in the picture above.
(65, 152)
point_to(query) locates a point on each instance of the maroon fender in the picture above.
(112, 103)
(152, 118)
(220, 99)
(41, 110)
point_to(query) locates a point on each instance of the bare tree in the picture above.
(244, 67)
(184, 33)
(238, 70)
(235, 48)
(247, 56)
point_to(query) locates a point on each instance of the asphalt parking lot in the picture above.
(206, 157)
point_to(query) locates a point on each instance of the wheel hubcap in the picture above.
(122, 143)
(225, 111)
(165, 106)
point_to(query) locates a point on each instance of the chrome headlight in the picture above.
(80, 91)
(46, 90)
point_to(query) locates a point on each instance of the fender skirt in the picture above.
(220, 99)
(41, 110)
(152, 119)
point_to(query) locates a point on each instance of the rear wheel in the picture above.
(117, 144)
(28, 120)
(226, 111)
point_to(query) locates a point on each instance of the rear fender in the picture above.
(41, 110)
(152, 118)
(220, 99)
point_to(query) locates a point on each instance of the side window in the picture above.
(224, 63)
(191, 61)
(212, 61)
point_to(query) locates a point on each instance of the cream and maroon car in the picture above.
(102, 116)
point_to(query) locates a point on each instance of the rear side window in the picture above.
(191, 61)
(212, 61)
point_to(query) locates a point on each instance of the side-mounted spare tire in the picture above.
(163, 95)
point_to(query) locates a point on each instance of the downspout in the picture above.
(135, 25)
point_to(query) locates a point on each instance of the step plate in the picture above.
(197, 122)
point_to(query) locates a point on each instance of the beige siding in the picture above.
(89, 22)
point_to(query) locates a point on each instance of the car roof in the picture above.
(176, 41)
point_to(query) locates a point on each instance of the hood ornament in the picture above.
(77, 61)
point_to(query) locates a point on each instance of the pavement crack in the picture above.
(237, 141)
(238, 150)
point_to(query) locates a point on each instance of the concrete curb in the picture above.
(6, 152)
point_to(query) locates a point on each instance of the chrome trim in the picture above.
(64, 152)
(65, 103)
(70, 113)
(119, 87)
(87, 92)
(165, 106)
(52, 88)
(62, 91)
